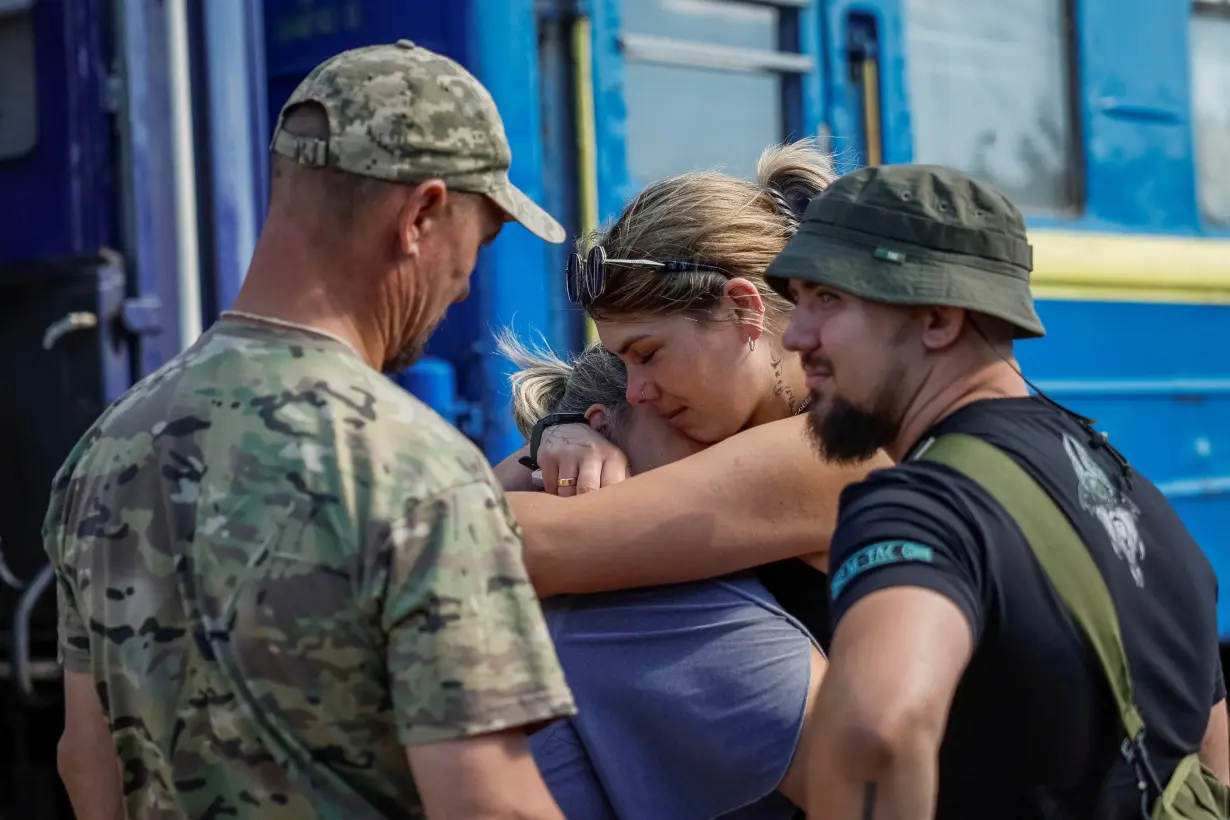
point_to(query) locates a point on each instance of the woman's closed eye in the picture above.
(641, 355)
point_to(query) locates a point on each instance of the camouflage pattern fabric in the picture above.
(279, 568)
(404, 113)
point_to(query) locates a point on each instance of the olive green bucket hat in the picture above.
(915, 235)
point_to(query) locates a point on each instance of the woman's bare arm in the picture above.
(512, 474)
(757, 497)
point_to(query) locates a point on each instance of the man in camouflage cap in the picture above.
(287, 588)
(957, 686)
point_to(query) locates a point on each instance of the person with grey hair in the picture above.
(675, 286)
(693, 697)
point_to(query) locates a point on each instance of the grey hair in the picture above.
(544, 383)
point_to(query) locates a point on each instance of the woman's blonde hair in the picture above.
(713, 219)
(544, 383)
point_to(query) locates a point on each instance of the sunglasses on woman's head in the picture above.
(590, 273)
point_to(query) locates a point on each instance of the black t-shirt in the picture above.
(803, 591)
(1033, 731)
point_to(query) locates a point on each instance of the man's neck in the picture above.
(999, 380)
(289, 284)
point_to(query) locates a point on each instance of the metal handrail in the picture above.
(21, 633)
(654, 49)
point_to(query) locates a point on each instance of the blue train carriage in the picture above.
(1103, 119)
(140, 166)
(1107, 121)
(133, 174)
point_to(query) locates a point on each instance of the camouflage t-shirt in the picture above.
(280, 567)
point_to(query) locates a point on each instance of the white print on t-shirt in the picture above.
(1115, 510)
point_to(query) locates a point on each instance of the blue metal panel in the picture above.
(801, 92)
(1136, 114)
(299, 35)
(237, 139)
(434, 381)
(515, 281)
(610, 110)
(843, 99)
(144, 123)
(64, 186)
(1125, 340)
(258, 91)
(810, 42)
(559, 162)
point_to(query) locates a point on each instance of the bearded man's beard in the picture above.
(845, 433)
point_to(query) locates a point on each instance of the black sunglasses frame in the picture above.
(590, 273)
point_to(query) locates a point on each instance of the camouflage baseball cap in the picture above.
(404, 113)
(916, 235)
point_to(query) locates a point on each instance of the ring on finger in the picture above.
(567, 482)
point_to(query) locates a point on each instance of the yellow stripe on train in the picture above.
(1075, 265)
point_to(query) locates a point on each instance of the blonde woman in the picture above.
(676, 287)
(692, 698)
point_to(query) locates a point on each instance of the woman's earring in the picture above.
(751, 344)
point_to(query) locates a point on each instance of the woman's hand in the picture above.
(579, 452)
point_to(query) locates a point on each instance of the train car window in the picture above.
(18, 111)
(727, 22)
(703, 83)
(675, 123)
(1210, 36)
(990, 93)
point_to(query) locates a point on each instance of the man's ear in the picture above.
(422, 211)
(942, 326)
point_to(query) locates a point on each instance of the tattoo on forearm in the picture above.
(869, 801)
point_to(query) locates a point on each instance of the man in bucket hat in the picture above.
(959, 687)
(287, 588)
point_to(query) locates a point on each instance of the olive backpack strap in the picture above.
(1059, 550)
(1076, 578)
